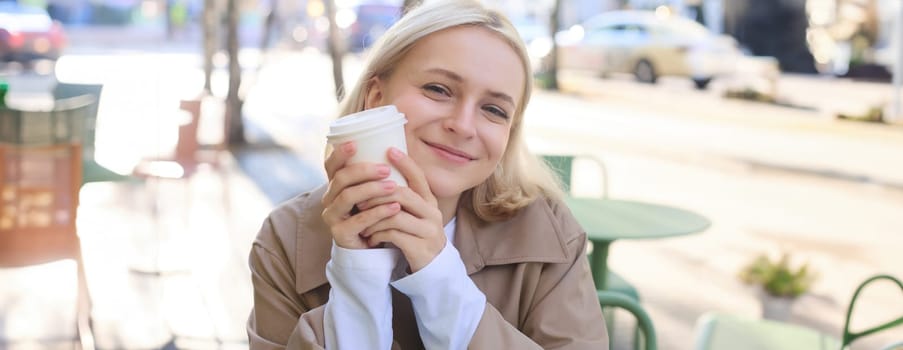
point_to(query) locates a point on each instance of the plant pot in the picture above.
(776, 308)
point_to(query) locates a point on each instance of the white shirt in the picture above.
(447, 304)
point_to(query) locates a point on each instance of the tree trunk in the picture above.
(335, 50)
(268, 26)
(552, 73)
(408, 5)
(235, 129)
(170, 27)
(209, 24)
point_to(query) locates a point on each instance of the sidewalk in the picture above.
(166, 260)
(831, 95)
(858, 151)
(174, 278)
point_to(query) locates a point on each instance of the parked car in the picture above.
(27, 33)
(648, 45)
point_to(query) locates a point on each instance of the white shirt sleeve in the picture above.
(447, 304)
(358, 314)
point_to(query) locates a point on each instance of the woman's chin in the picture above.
(448, 185)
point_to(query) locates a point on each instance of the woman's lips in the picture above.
(449, 153)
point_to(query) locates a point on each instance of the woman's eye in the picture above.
(496, 111)
(439, 89)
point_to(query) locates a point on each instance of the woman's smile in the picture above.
(449, 153)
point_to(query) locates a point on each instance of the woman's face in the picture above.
(459, 89)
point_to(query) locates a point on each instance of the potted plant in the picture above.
(777, 283)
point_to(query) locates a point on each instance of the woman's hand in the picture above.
(417, 229)
(350, 184)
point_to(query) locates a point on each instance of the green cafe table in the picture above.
(607, 220)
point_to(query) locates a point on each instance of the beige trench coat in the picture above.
(531, 268)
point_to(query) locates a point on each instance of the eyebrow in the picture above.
(454, 76)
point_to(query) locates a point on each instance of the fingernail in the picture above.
(348, 147)
(388, 185)
(383, 170)
(395, 153)
(395, 206)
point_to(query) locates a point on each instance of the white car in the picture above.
(648, 45)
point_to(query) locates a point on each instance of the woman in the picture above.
(482, 253)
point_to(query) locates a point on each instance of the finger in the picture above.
(418, 206)
(374, 201)
(403, 222)
(410, 201)
(418, 252)
(402, 240)
(352, 175)
(402, 194)
(411, 172)
(338, 157)
(341, 206)
(355, 225)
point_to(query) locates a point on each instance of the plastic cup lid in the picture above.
(365, 120)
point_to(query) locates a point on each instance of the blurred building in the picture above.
(775, 28)
(842, 37)
(853, 37)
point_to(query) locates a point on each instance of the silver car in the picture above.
(648, 45)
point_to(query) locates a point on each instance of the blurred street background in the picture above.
(781, 127)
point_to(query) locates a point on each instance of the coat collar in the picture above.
(533, 235)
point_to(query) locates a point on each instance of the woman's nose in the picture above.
(461, 121)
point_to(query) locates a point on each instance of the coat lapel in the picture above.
(533, 235)
(313, 246)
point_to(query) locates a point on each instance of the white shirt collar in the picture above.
(450, 229)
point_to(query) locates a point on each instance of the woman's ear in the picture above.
(374, 93)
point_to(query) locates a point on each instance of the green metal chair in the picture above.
(644, 323)
(716, 331)
(91, 170)
(563, 166)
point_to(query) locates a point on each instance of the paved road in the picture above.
(809, 139)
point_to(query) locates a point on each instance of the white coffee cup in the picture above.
(373, 131)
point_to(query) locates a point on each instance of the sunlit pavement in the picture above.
(672, 149)
(771, 179)
(808, 139)
(172, 277)
(179, 275)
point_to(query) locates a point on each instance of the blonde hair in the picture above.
(520, 177)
